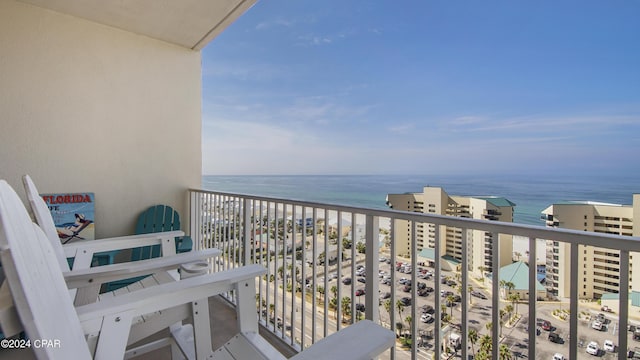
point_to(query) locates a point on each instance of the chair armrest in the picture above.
(103, 274)
(165, 296)
(119, 243)
(362, 340)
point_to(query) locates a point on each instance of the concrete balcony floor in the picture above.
(223, 327)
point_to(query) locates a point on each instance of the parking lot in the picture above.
(515, 337)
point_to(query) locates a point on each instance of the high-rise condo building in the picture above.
(434, 200)
(599, 267)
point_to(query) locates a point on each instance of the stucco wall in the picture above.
(89, 108)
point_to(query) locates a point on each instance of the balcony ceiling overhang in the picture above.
(187, 23)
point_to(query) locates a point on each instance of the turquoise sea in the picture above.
(530, 194)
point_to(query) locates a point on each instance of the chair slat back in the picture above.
(158, 218)
(37, 286)
(44, 219)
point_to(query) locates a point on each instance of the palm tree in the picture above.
(408, 320)
(320, 289)
(387, 306)
(334, 291)
(514, 298)
(504, 353)
(473, 338)
(509, 310)
(470, 290)
(450, 299)
(333, 305)
(400, 307)
(510, 286)
(486, 342)
(501, 313)
(346, 307)
(488, 326)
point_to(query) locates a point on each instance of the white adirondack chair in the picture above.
(85, 282)
(47, 312)
(83, 251)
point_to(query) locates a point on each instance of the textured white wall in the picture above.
(86, 107)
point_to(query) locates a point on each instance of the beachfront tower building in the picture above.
(434, 200)
(599, 267)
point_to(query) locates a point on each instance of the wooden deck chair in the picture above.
(101, 330)
(158, 218)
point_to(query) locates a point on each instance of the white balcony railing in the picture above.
(269, 231)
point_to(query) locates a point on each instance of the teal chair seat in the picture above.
(158, 218)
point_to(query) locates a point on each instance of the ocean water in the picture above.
(531, 194)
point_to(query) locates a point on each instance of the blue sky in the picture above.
(418, 87)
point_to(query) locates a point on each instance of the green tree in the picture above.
(387, 306)
(346, 243)
(450, 299)
(320, 289)
(408, 319)
(333, 305)
(501, 314)
(400, 308)
(504, 353)
(346, 307)
(473, 338)
(515, 298)
(509, 310)
(361, 247)
(334, 291)
(488, 326)
(486, 343)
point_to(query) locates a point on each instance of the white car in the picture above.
(593, 348)
(425, 318)
(558, 356)
(608, 346)
(597, 325)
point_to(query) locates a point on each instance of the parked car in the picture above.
(359, 292)
(543, 324)
(426, 318)
(385, 295)
(605, 308)
(346, 281)
(634, 354)
(406, 301)
(362, 280)
(597, 325)
(360, 307)
(555, 338)
(406, 288)
(558, 356)
(445, 293)
(593, 348)
(451, 282)
(600, 317)
(478, 294)
(608, 346)
(428, 309)
(423, 292)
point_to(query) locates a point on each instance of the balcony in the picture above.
(303, 299)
